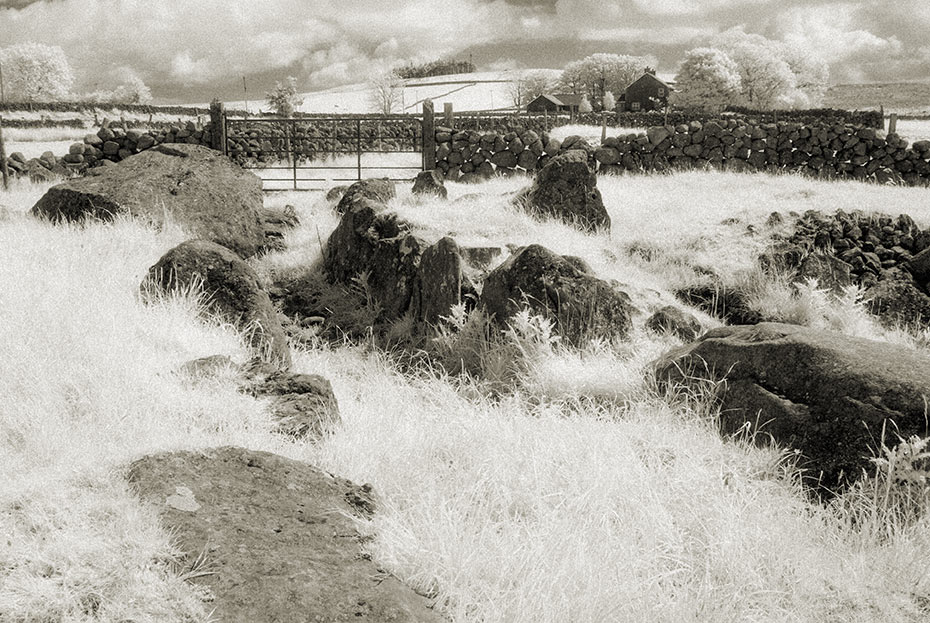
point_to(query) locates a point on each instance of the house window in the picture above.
(661, 91)
(634, 105)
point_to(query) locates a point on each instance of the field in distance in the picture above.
(903, 98)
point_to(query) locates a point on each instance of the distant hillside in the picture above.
(904, 98)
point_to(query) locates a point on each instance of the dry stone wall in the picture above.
(845, 151)
(822, 150)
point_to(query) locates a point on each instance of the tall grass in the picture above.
(583, 495)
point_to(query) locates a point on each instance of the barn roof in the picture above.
(655, 78)
(566, 99)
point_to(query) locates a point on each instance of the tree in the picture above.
(585, 105)
(773, 75)
(708, 79)
(386, 92)
(133, 91)
(609, 102)
(811, 74)
(33, 72)
(283, 97)
(599, 73)
(529, 86)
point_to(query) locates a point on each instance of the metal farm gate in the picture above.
(306, 153)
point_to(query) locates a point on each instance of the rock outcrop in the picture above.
(277, 536)
(826, 394)
(580, 305)
(194, 186)
(232, 291)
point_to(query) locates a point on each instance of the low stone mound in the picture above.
(823, 393)
(581, 306)
(304, 405)
(566, 188)
(887, 256)
(196, 187)
(232, 290)
(379, 190)
(277, 536)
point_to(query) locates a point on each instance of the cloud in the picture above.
(182, 46)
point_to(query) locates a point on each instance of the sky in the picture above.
(192, 50)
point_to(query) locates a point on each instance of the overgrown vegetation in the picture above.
(571, 478)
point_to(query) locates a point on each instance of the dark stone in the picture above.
(277, 534)
(824, 393)
(232, 290)
(721, 301)
(303, 405)
(430, 183)
(898, 301)
(196, 187)
(440, 280)
(566, 188)
(831, 272)
(335, 193)
(369, 241)
(670, 319)
(581, 307)
(380, 190)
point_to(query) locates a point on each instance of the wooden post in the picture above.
(893, 123)
(447, 114)
(218, 118)
(546, 119)
(881, 110)
(603, 127)
(3, 167)
(429, 136)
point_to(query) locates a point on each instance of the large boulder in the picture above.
(194, 186)
(277, 536)
(566, 188)
(824, 393)
(580, 305)
(379, 190)
(369, 241)
(232, 291)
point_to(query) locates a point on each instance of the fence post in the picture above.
(881, 109)
(218, 119)
(358, 145)
(292, 145)
(3, 167)
(447, 114)
(603, 127)
(893, 123)
(429, 136)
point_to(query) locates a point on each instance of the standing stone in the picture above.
(430, 183)
(566, 188)
(440, 280)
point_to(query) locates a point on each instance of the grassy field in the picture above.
(904, 98)
(580, 495)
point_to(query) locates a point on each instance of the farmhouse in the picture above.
(563, 102)
(648, 92)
